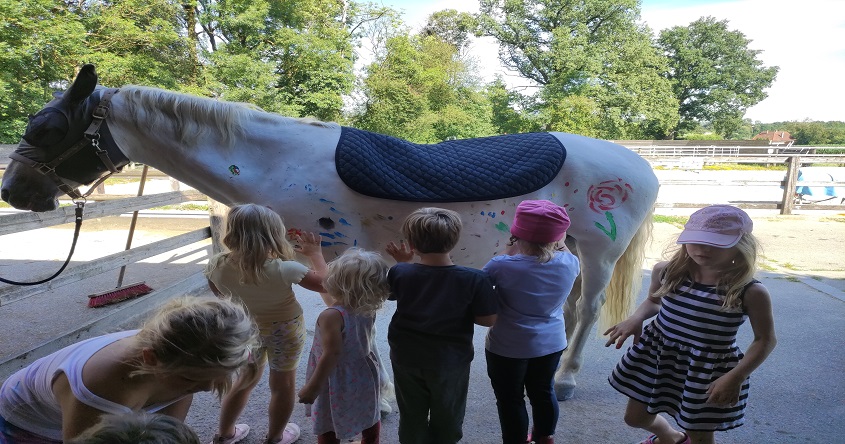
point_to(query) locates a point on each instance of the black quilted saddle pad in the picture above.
(485, 168)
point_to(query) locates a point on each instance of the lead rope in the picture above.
(79, 206)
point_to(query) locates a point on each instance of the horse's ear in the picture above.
(83, 86)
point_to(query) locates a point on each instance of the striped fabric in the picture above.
(691, 343)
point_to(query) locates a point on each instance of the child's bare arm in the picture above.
(758, 306)
(330, 324)
(633, 326)
(309, 245)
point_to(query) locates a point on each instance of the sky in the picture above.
(804, 38)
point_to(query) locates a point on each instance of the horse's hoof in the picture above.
(564, 392)
(385, 407)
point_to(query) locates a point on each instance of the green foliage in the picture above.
(421, 90)
(450, 26)
(138, 42)
(41, 42)
(598, 72)
(809, 132)
(700, 136)
(293, 57)
(714, 75)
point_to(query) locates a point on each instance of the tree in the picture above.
(139, 42)
(597, 71)
(421, 90)
(294, 57)
(41, 43)
(714, 75)
(451, 27)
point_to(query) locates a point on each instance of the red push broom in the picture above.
(128, 291)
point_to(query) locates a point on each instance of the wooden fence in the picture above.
(122, 314)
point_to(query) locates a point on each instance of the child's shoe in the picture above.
(650, 440)
(241, 430)
(291, 434)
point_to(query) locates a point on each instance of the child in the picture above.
(342, 381)
(533, 279)
(260, 270)
(190, 345)
(138, 428)
(430, 334)
(686, 362)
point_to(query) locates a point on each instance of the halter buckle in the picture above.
(44, 168)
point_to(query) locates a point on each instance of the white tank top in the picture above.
(27, 400)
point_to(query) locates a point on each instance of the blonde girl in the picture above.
(260, 270)
(686, 362)
(138, 428)
(189, 345)
(342, 383)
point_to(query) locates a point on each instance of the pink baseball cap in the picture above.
(540, 221)
(717, 225)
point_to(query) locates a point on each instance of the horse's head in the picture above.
(61, 149)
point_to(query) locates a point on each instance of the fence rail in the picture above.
(127, 311)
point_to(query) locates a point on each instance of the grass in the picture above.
(792, 279)
(677, 221)
(840, 219)
(766, 266)
(184, 207)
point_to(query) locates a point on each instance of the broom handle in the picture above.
(132, 224)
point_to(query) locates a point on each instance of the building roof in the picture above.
(774, 136)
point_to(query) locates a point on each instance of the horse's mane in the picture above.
(190, 116)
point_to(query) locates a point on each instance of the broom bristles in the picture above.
(119, 294)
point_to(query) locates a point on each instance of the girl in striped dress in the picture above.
(686, 363)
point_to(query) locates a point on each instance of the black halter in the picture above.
(91, 137)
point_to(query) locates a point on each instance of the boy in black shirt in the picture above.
(430, 335)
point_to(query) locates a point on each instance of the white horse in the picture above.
(235, 153)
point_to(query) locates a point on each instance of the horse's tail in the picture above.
(626, 279)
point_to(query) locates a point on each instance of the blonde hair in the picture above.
(137, 428)
(198, 333)
(544, 252)
(733, 281)
(432, 230)
(357, 279)
(255, 233)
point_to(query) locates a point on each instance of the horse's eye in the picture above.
(46, 128)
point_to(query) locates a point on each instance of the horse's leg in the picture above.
(569, 312)
(595, 274)
(386, 390)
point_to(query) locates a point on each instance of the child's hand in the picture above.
(401, 252)
(724, 390)
(620, 332)
(307, 395)
(308, 243)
